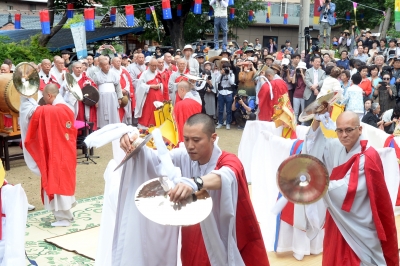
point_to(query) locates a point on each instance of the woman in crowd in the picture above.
(374, 50)
(374, 78)
(178, 52)
(299, 88)
(345, 80)
(331, 82)
(264, 53)
(354, 96)
(385, 93)
(390, 119)
(158, 53)
(367, 105)
(372, 116)
(365, 84)
(382, 47)
(246, 82)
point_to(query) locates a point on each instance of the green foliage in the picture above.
(25, 51)
(79, 18)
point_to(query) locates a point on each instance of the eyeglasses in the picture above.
(386, 79)
(347, 130)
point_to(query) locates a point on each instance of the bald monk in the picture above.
(360, 227)
(190, 105)
(5, 68)
(49, 145)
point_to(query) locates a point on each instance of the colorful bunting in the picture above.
(113, 14)
(362, 16)
(316, 12)
(211, 11)
(396, 14)
(130, 15)
(148, 14)
(45, 21)
(231, 2)
(334, 16)
(285, 19)
(197, 7)
(231, 13)
(347, 15)
(17, 21)
(251, 15)
(268, 12)
(89, 19)
(70, 10)
(166, 9)
(355, 13)
(179, 10)
(153, 11)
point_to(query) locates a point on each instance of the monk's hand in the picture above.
(97, 105)
(180, 192)
(119, 101)
(126, 143)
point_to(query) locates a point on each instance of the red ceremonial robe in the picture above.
(147, 119)
(51, 141)
(390, 142)
(182, 111)
(93, 110)
(164, 79)
(125, 73)
(266, 105)
(249, 239)
(52, 80)
(340, 253)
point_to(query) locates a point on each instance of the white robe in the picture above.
(127, 119)
(57, 74)
(135, 70)
(140, 240)
(15, 207)
(60, 205)
(107, 110)
(70, 99)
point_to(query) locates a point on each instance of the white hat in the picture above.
(246, 41)
(147, 59)
(302, 65)
(188, 46)
(224, 59)
(194, 55)
(207, 62)
(285, 61)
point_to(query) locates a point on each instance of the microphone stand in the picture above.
(86, 155)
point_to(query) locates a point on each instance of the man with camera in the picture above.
(287, 74)
(243, 109)
(326, 20)
(220, 21)
(225, 88)
(346, 40)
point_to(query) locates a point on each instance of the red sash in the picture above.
(52, 80)
(147, 119)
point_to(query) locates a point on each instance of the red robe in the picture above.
(125, 73)
(266, 105)
(52, 80)
(182, 111)
(390, 142)
(93, 109)
(164, 79)
(249, 239)
(147, 119)
(51, 140)
(340, 253)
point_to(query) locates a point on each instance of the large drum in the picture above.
(9, 96)
(90, 95)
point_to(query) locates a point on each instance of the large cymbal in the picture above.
(318, 105)
(154, 203)
(73, 87)
(26, 79)
(302, 179)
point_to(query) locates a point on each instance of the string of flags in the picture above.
(196, 8)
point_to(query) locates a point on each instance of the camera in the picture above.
(315, 48)
(383, 85)
(226, 70)
(238, 97)
(285, 67)
(298, 71)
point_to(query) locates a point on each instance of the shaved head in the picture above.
(351, 116)
(5, 68)
(202, 119)
(348, 129)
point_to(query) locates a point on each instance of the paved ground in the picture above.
(90, 180)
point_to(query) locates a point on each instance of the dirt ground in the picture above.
(89, 181)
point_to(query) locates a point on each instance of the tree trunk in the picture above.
(176, 33)
(44, 39)
(386, 23)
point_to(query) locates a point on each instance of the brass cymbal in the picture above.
(73, 87)
(302, 179)
(26, 79)
(154, 203)
(318, 105)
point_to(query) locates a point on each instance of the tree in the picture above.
(60, 7)
(189, 27)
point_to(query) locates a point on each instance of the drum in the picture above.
(9, 96)
(91, 95)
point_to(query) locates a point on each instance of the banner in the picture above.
(317, 3)
(79, 36)
(397, 14)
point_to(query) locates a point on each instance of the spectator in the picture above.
(246, 74)
(385, 93)
(198, 49)
(269, 60)
(158, 53)
(303, 56)
(367, 105)
(354, 65)
(225, 97)
(354, 96)
(372, 116)
(374, 50)
(365, 83)
(146, 51)
(344, 61)
(368, 40)
(243, 108)
(178, 52)
(295, 61)
(280, 53)
(299, 87)
(326, 59)
(382, 47)
(326, 21)
(360, 54)
(374, 78)
(390, 119)
(245, 45)
(396, 70)
(345, 81)
(345, 41)
(258, 45)
(288, 47)
(287, 76)
(331, 82)
(392, 50)
(272, 46)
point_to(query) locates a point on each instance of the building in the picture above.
(26, 7)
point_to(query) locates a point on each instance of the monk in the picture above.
(190, 105)
(175, 78)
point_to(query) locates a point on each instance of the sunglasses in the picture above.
(386, 79)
